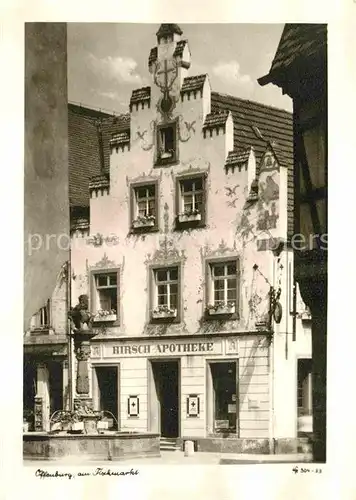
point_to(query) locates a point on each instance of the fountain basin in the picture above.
(90, 447)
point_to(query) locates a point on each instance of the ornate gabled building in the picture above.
(200, 332)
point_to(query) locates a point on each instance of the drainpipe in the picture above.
(69, 335)
(271, 374)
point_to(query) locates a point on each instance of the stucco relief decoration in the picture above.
(267, 204)
(245, 227)
(95, 351)
(186, 129)
(167, 252)
(165, 76)
(231, 194)
(146, 136)
(104, 263)
(232, 346)
(258, 300)
(97, 240)
(269, 162)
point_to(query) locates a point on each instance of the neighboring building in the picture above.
(177, 260)
(300, 69)
(46, 208)
(46, 342)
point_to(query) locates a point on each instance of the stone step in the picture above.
(169, 444)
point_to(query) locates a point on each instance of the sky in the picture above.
(107, 61)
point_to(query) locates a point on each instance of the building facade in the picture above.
(299, 68)
(46, 206)
(180, 265)
(200, 332)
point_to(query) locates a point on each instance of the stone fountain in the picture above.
(82, 333)
(88, 444)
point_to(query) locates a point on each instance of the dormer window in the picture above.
(167, 143)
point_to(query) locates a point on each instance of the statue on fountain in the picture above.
(80, 316)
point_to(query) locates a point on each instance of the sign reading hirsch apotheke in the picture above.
(167, 348)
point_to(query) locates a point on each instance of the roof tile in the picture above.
(139, 95)
(179, 48)
(216, 119)
(153, 55)
(192, 83)
(238, 156)
(298, 41)
(259, 126)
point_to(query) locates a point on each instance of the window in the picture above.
(167, 143)
(144, 207)
(304, 387)
(223, 290)
(224, 397)
(165, 300)
(191, 201)
(105, 297)
(41, 320)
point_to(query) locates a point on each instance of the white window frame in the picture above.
(102, 316)
(225, 277)
(192, 193)
(166, 283)
(147, 199)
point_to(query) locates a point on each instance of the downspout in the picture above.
(69, 334)
(271, 372)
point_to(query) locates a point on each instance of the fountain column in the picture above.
(82, 334)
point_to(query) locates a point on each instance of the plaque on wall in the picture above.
(133, 406)
(193, 405)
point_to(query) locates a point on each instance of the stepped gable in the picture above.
(259, 125)
(179, 48)
(193, 83)
(236, 157)
(153, 55)
(178, 52)
(140, 95)
(89, 133)
(216, 119)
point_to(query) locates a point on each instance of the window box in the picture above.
(220, 309)
(105, 296)
(189, 217)
(143, 222)
(191, 201)
(165, 293)
(222, 287)
(144, 206)
(105, 316)
(164, 313)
